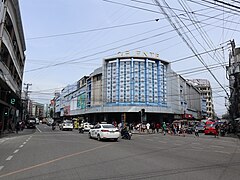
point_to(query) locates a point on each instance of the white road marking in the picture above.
(9, 158)
(196, 143)
(217, 146)
(222, 152)
(21, 146)
(149, 139)
(51, 161)
(2, 141)
(1, 167)
(16, 151)
(38, 129)
(199, 148)
(176, 144)
(24, 142)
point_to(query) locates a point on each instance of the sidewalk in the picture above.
(185, 135)
(11, 134)
(233, 135)
(145, 132)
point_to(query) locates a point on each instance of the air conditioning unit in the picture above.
(234, 69)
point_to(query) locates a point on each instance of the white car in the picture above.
(87, 126)
(37, 120)
(104, 131)
(66, 125)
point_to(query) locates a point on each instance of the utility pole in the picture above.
(26, 104)
(231, 76)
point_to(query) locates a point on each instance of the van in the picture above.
(66, 125)
(210, 128)
(31, 123)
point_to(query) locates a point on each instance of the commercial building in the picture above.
(132, 87)
(35, 109)
(234, 82)
(12, 60)
(206, 91)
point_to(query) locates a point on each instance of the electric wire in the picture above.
(91, 30)
(187, 42)
(100, 52)
(202, 33)
(213, 7)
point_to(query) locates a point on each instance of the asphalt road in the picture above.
(45, 154)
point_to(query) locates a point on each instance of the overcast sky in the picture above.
(67, 39)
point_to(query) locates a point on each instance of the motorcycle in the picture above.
(81, 130)
(53, 128)
(222, 132)
(126, 134)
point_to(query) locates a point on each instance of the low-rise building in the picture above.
(203, 85)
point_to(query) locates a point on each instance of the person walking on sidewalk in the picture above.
(148, 127)
(164, 126)
(17, 127)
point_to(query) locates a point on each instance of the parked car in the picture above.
(66, 125)
(31, 123)
(104, 131)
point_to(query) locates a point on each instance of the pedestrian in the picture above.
(196, 131)
(17, 127)
(143, 127)
(120, 126)
(217, 130)
(148, 127)
(157, 127)
(164, 126)
(137, 127)
(172, 129)
(22, 125)
(153, 127)
(178, 130)
(114, 123)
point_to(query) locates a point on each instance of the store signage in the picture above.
(187, 116)
(139, 53)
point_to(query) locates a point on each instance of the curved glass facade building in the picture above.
(138, 79)
(132, 87)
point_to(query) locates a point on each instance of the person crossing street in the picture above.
(164, 126)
